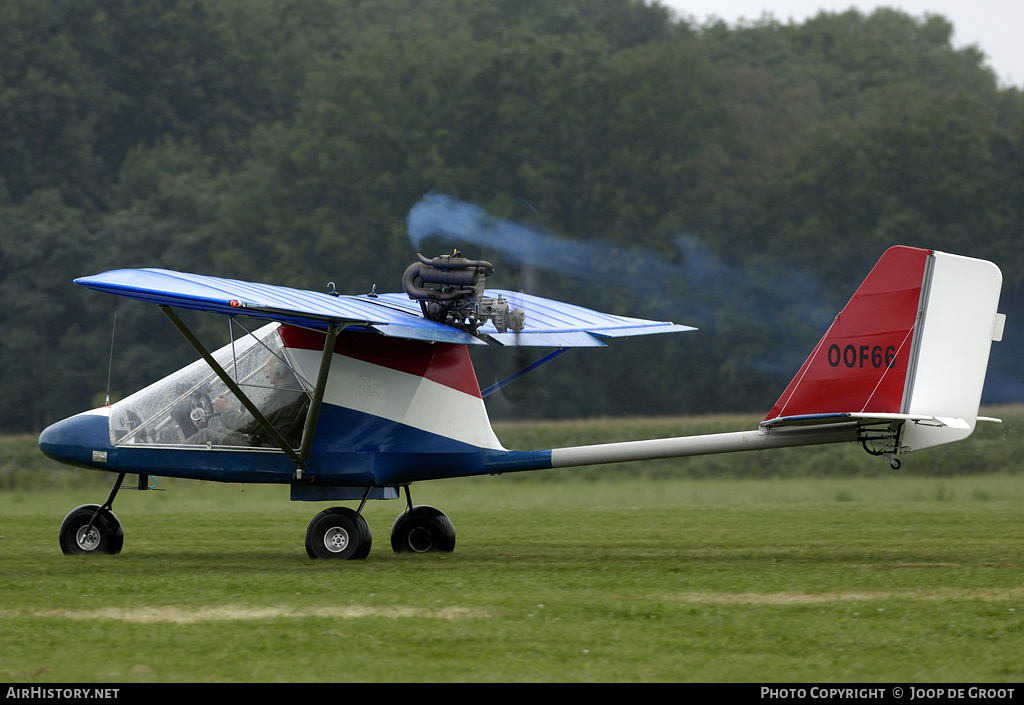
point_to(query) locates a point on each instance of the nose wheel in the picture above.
(91, 530)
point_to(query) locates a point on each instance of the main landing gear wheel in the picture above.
(338, 533)
(77, 537)
(422, 529)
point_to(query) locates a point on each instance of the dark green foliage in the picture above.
(740, 179)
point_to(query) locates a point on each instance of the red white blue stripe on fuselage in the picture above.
(430, 387)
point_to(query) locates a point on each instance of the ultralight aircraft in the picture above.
(352, 398)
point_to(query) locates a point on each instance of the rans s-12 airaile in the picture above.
(353, 398)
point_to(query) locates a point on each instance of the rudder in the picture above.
(958, 324)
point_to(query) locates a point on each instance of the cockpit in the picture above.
(194, 407)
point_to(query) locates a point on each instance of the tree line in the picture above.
(742, 179)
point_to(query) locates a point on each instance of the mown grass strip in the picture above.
(811, 580)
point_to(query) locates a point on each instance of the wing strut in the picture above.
(235, 389)
(523, 372)
(333, 330)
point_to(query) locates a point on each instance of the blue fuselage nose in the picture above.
(82, 440)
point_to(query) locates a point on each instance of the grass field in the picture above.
(809, 565)
(807, 580)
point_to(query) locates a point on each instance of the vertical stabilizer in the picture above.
(861, 363)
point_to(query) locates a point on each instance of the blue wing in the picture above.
(549, 323)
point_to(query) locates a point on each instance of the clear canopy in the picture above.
(194, 407)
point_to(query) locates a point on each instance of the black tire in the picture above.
(338, 533)
(105, 537)
(422, 529)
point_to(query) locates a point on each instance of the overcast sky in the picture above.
(995, 26)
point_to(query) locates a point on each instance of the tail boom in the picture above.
(710, 444)
(507, 461)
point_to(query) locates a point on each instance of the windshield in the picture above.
(194, 407)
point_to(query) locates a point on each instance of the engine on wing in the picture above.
(450, 289)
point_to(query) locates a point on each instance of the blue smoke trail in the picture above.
(700, 278)
(440, 215)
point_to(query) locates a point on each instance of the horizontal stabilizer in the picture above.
(862, 418)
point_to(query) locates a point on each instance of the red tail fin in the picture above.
(861, 363)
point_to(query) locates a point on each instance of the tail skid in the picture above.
(900, 369)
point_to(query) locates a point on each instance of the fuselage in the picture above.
(394, 411)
